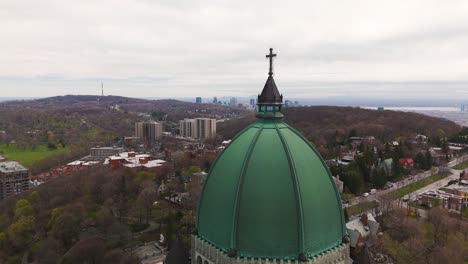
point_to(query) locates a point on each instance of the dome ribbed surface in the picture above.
(270, 195)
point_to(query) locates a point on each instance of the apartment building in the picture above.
(201, 128)
(14, 178)
(148, 130)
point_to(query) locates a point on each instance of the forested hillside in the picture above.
(326, 125)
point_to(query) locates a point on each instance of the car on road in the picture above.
(405, 198)
(388, 186)
(365, 194)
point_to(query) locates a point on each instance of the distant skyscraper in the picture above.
(215, 100)
(252, 104)
(148, 130)
(233, 101)
(198, 100)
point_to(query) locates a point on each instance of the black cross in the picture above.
(270, 56)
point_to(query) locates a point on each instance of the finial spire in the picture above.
(270, 101)
(271, 56)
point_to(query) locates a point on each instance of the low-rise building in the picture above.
(438, 156)
(136, 161)
(360, 228)
(131, 141)
(407, 162)
(440, 198)
(103, 152)
(460, 190)
(420, 138)
(14, 178)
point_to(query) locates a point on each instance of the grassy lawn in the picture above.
(30, 156)
(362, 207)
(347, 196)
(461, 166)
(415, 186)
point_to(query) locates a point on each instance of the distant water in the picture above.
(418, 109)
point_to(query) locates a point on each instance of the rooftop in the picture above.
(11, 166)
(439, 195)
(359, 227)
(109, 148)
(461, 188)
(83, 163)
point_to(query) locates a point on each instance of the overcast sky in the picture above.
(184, 48)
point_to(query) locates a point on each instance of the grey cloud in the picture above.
(209, 48)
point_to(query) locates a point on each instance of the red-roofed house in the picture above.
(407, 162)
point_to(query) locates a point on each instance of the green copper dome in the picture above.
(270, 195)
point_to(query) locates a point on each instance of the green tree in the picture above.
(4, 221)
(346, 215)
(23, 208)
(420, 161)
(21, 232)
(428, 157)
(380, 177)
(387, 150)
(144, 175)
(146, 199)
(33, 197)
(353, 178)
(66, 228)
(87, 250)
(53, 215)
(445, 147)
(352, 133)
(3, 239)
(396, 167)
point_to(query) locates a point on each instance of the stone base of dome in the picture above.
(205, 253)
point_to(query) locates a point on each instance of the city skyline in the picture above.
(185, 49)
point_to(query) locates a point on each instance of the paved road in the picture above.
(433, 186)
(396, 185)
(411, 179)
(455, 174)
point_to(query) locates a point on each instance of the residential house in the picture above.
(361, 228)
(407, 163)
